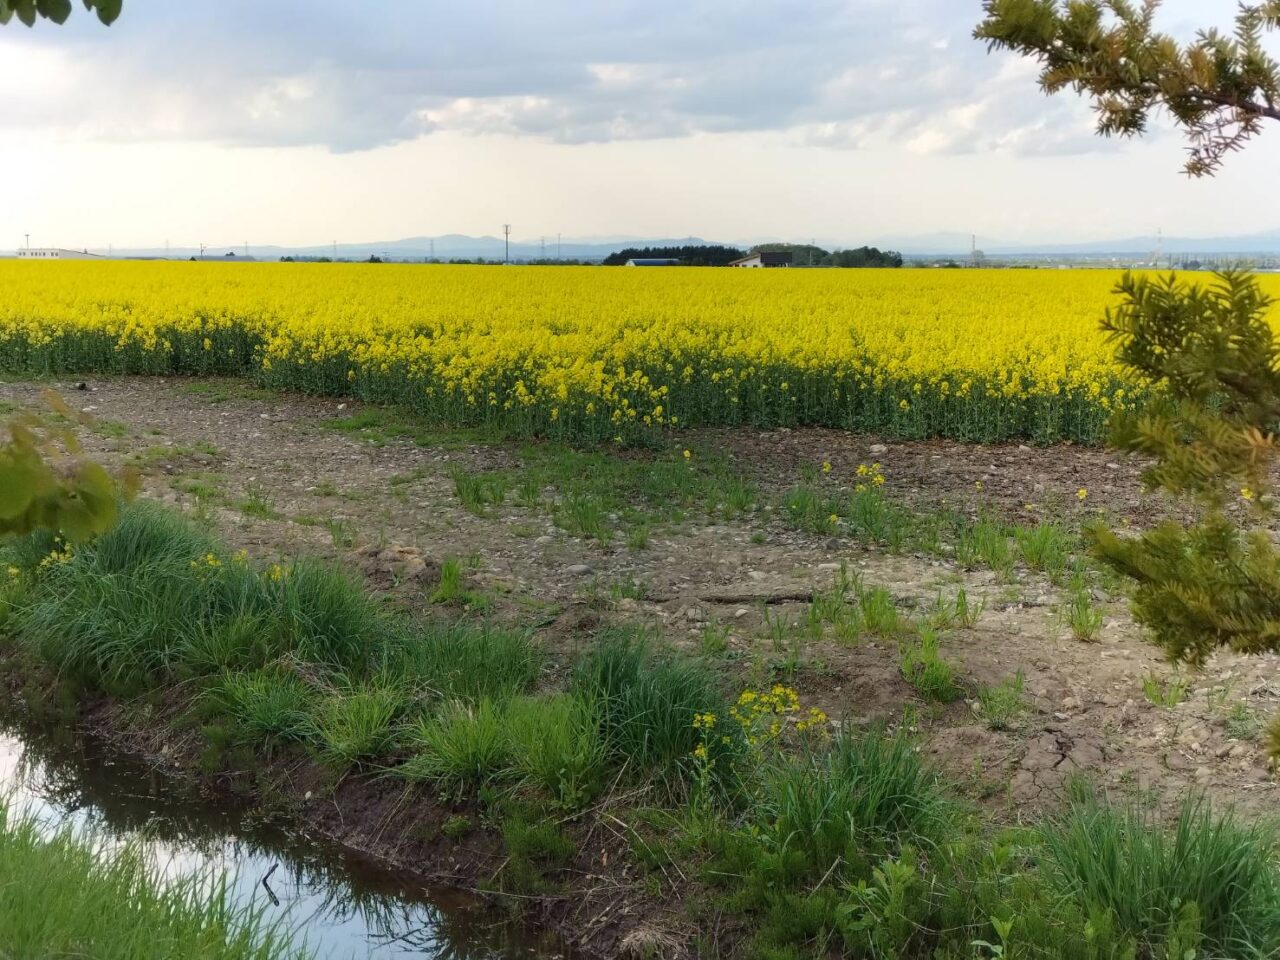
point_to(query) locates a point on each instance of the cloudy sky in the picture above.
(303, 121)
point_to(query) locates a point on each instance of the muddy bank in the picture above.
(386, 838)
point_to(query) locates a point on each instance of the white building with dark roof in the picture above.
(55, 253)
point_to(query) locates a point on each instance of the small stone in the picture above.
(878, 448)
(342, 406)
(828, 567)
(543, 540)
(577, 570)
(740, 613)
(81, 385)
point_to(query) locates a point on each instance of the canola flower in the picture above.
(603, 354)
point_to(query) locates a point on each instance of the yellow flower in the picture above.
(1247, 493)
(1082, 494)
(688, 455)
(826, 466)
(14, 572)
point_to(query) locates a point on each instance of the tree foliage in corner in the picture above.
(45, 484)
(1217, 88)
(1213, 363)
(1207, 352)
(29, 11)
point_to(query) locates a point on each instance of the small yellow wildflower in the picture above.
(1082, 494)
(826, 466)
(1247, 493)
(688, 455)
(14, 572)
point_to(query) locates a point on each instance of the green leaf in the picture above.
(107, 10)
(15, 490)
(55, 10)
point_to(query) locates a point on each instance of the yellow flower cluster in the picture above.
(58, 555)
(872, 476)
(762, 714)
(598, 353)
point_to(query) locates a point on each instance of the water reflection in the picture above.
(340, 906)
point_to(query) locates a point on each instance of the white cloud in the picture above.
(350, 77)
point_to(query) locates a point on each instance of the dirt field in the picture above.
(288, 475)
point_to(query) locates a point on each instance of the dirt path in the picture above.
(276, 477)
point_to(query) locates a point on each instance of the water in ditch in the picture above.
(340, 906)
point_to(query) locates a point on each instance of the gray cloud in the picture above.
(350, 76)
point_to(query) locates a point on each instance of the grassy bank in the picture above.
(67, 896)
(782, 834)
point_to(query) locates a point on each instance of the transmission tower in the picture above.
(506, 235)
(1158, 254)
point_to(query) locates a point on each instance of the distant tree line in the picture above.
(710, 255)
(808, 255)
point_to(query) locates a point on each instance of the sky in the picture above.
(306, 121)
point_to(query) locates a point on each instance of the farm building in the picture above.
(765, 258)
(653, 262)
(55, 253)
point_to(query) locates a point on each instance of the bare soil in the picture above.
(279, 481)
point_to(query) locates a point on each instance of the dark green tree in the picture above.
(1217, 88)
(1213, 363)
(1207, 355)
(29, 11)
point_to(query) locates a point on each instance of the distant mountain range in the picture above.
(458, 246)
(960, 243)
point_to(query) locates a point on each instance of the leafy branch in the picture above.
(1218, 88)
(28, 11)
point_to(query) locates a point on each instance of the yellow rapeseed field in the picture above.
(598, 353)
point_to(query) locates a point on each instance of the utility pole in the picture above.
(335, 251)
(203, 248)
(246, 248)
(28, 236)
(506, 234)
(542, 241)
